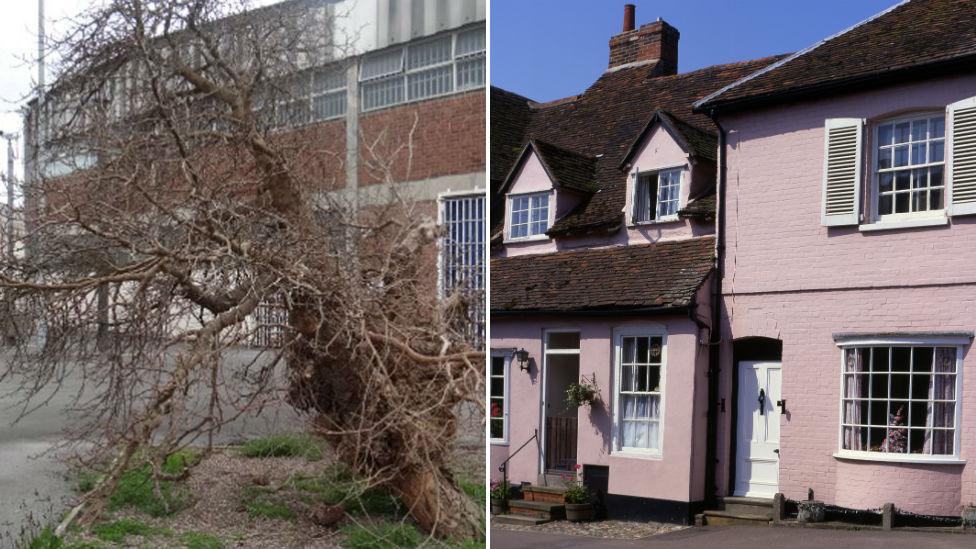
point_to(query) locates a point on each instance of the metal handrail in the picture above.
(503, 467)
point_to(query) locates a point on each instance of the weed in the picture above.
(118, 530)
(475, 490)
(380, 536)
(262, 502)
(285, 445)
(44, 539)
(199, 540)
(135, 487)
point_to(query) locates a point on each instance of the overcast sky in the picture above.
(18, 45)
(18, 49)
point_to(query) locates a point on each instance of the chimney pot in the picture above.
(629, 17)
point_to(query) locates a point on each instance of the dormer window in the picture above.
(529, 215)
(910, 166)
(656, 196)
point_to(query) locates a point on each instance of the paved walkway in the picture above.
(742, 537)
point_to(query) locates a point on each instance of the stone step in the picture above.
(553, 479)
(518, 520)
(725, 518)
(746, 506)
(537, 509)
(549, 494)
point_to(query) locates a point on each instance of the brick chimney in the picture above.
(657, 41)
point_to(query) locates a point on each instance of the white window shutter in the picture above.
(842, 171)
(961, 156)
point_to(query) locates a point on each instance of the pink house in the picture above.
(762, 268)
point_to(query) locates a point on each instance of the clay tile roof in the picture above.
(603, 123)
(566, 168)
(663, 276)
(509, 122)
(908, 38)
(694, 141)
(702, 207)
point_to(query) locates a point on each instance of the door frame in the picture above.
(544, 387)
(734, 426)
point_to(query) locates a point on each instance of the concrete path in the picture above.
(742, 538)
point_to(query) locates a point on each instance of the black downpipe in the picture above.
(715, 334)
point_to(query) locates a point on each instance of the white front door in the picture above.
(757, 429)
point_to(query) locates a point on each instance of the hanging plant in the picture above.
(584, 393)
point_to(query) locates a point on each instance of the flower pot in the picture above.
(498, 506)
(579, 512)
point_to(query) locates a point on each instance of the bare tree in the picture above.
(169, 209)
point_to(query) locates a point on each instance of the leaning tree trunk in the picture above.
(391, 415)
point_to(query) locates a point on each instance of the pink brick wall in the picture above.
(788, 277)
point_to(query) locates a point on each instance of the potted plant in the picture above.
(579, 394)
(499, 497)
(579, 505)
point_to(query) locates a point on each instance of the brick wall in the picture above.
(448, 137)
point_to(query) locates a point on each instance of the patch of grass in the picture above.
(44, 539)
(286, 445)
(87, 481)
(477, 491)
(338, 485)
(85, 544)
(117, 531)
(200, 540)
(261, 502)
(135, 488)
(381, 536)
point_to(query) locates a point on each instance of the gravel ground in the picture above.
(215, 487)
(606, 529)
(216, 507)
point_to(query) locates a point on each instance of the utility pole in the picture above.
(11, 181)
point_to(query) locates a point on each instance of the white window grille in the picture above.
(498, 397)
(910, 166)
(270, 319)
(900, 401)
(462, 255)
(529, 215)
(429, 68)
(639, 392)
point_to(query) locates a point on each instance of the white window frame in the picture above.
(506, 354)
(642, 330)
(657, 195)
(510, 211)
(907, 341)
(910, 219)
(404, 73)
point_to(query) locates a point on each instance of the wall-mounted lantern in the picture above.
(522, 357)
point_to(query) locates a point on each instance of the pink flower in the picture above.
(578, 467)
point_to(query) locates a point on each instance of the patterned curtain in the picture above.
(941, 414)
(854, 361)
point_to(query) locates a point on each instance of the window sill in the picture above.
(904, 224)
(895, 458)
(662, 221)
(497, 442)
(633, 454)
(536, 238)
